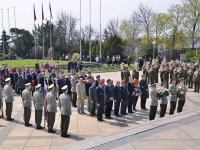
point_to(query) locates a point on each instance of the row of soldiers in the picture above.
(39, 103)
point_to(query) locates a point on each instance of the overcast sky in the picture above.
(110, 8)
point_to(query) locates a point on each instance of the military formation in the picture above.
(46, 90)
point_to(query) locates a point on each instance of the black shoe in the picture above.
(134, 109)
(75, 106)
(65, 135)
(39, 127)
(28, 124)
(145, 109)
(51, 131)
(10, 119)
(109, 118)
(83, 113)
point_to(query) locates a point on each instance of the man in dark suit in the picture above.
(145, 92)
(130, 94)
(117, 98)
(100, 98)
(61, 83)
(124, 97)
(109, 93)
(68, 83)
(27, 76)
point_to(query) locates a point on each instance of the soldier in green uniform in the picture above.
(26, 99)
(51, 108)
(181, 98)
(38, 104)
(152, 74)
(190, 76)
(1, 101)
(8, 91)
(126, 75)
(163, 100)
(196, 79)
(154, 102)
(166, 75)
(173, 96)
(65, 103)
(135, 73)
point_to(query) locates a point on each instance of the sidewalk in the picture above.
(15, 136)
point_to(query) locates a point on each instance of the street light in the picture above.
(154, 43)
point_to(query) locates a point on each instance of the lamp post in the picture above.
(154, 43)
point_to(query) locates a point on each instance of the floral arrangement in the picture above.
(161, 93)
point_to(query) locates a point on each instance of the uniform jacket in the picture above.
(173, 93)
(65, 103)
(51, 102)
(74, 82)
(38, 100)
(154, 98)
(8, 91)
(26, 98)
(100, 95)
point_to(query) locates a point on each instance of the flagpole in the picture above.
(90, 36)
(42, 33)
(80, 35)
(2, 33)
(9, 33)
(50, 29)
(15, 20)
(100, 34)
(35, 30)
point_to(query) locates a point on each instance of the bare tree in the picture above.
(113, 26)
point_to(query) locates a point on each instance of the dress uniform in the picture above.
(38, 104)
(26, 99)
(190, 76)
(92, 95)
(100, 95)
(173, 96)
(181, 99)
(154, 102)
(51, 108)
(65, 108)
(81, 96)
(126, 75)
(196, 79)
(117, 98)
(8, 91)
(163, 101)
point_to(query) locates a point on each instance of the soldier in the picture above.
(38, 104)
(117, 98)
(173, 96)
(1, 101)
(65, 103)
(92, 96)
(51, 108)
(196, 79)
(74, 82)
(181, 99)
(154, 102)
(124, 94)
(8, 91)
(126, 74)
(190, 76)
(26, 99)
(100, 95)
(145, 92)
(163, 101)
(152, 74)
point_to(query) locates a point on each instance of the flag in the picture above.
(42, 13)
(51, 16)
(34, 13)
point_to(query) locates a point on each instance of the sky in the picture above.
(120, 9)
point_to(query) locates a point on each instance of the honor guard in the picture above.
(26, 99)
(65, 106)
(154, 102)
(38, 104)
(8, 91)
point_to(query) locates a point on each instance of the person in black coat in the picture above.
(100, 98)
(145, 92)
(109, 93)
(117, 98)
(88, 84)
(124, 97)
(27, 76)
(43, 81)
(97, 80)
(130, 94)
(69, 66)
(61, 83)
(68, 83)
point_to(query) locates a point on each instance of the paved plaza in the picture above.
(180, 131)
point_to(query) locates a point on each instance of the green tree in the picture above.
(4, 39)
